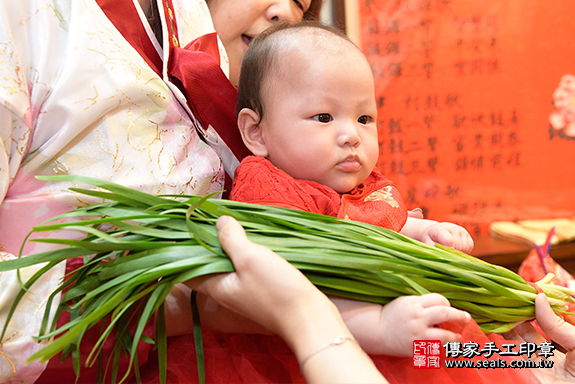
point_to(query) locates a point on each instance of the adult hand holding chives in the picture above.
(264, 288)
(560, 332)
(268, 290)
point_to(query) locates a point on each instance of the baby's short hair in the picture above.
(264, 54)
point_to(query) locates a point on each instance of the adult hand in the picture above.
(561, 333)
(265, 287)
(268, 290)
(557, 329)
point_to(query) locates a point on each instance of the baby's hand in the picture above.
(411, 318)
(448, 234)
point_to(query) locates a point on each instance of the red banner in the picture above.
(476, 105)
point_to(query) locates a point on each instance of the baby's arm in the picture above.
(391, 329)
(380, 330)
(431, 232)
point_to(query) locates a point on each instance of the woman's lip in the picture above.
(247, 39)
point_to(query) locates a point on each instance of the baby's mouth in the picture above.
(247, 39)
(350, 164)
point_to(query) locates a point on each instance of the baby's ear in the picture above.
(248, 123)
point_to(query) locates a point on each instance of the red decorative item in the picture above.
(539, 263)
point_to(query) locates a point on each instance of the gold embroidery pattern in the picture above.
(383, 194)
(7, 367)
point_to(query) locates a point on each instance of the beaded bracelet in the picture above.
(337, 341)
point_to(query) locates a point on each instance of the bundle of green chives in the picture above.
(150, 243)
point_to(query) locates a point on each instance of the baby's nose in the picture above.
(349, 136)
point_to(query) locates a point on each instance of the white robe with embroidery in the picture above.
(76, 98)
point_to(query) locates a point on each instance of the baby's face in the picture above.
(320, 117)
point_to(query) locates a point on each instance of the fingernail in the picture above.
(222, 221)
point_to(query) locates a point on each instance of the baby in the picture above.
(306, 109)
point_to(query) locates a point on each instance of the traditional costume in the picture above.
(375, 201)
(87, 89)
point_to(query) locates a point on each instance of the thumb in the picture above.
(232, 238)
(416, 213)
(557, 329)
(554, 326)
(242, 252)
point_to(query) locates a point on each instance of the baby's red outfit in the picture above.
(375, 201)
(246, 358)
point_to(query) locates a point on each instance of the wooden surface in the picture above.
(510, 254)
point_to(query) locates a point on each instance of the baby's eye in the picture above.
(323, 117)
(299, 5)
(364, 119)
